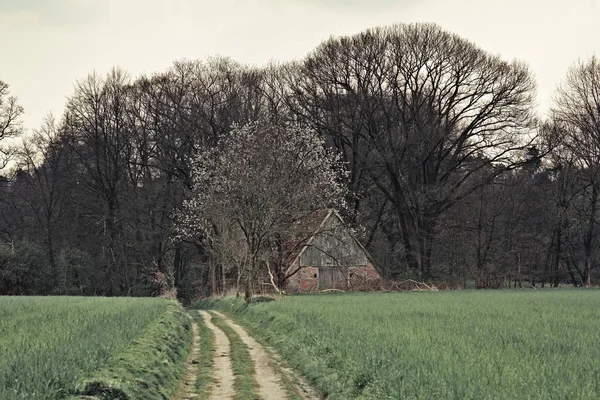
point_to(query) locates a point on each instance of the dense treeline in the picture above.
(451, 175)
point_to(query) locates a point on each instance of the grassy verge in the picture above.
(151, 367)
(205, 357)
(466, 344)
(245, 385)
(289, 383)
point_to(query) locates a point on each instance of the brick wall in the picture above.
(309, 279)
(372, 272)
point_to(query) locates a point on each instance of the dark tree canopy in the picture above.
(417, 111)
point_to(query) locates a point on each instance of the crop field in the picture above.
(461, 345)
(50, 344)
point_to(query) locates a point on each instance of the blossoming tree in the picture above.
(261, 181)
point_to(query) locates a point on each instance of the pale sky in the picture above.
(46, 45)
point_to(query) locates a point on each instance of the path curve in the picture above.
(269, 383)
(222, 372)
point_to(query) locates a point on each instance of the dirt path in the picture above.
(270, 387)
(187, 386)
(223, 373)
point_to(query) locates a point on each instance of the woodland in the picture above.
(192, 178)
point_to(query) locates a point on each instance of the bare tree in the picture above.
(43, 158)
(178, 114)
(98, 131)
(416, 111)
(10, 122)
(577, 113)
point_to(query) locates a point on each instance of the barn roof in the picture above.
(317, 221)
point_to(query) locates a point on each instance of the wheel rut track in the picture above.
(222, 387)
(222, 372)
(269, 382)
(187, 386)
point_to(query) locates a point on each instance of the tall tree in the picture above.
(416, 111)
(99, 133)
(577, 114)
(46, 163)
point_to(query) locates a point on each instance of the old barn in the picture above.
(332, 258)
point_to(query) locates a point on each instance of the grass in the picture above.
(49, 345)
(461, 345)
(245, 385)
(151, 367)
(205, 357)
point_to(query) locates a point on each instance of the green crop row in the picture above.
(451, 345)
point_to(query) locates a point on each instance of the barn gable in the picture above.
(331, 258)
(333, 245)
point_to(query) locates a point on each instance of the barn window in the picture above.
(315, 275)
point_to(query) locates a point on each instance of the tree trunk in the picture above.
(52, 260)
(248, 290)
(589, 237)
(213, 278)
(177, 265)
(588, 273)
(426, 247)
(223, 281)
(558, 254)
(407, 241)
(238, 280)
(109, 256)
(518, 272)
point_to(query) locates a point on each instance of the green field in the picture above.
(461, 345)
(50, 345)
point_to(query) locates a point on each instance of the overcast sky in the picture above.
(46, 45)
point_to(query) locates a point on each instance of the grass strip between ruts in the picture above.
(206, 353)
(245, 384)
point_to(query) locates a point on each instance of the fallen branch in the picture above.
(273, 280)
(418, 285)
